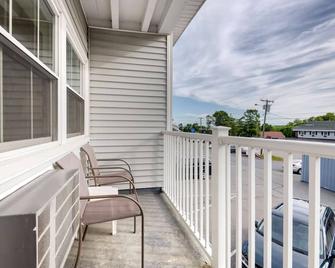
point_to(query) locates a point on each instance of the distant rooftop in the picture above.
(317, 125)
(274, 135)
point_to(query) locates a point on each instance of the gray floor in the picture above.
(165, 244)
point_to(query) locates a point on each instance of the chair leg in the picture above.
(134, 225)
(79, 247)
(142, 243)
(85, 231)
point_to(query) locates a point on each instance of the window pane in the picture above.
(29, 101)
(73, 68)
(41, 106)
(16, 99)
(25, 23)
(46, 34)
(4, 14)
(75, 114)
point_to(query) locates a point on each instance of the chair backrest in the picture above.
(92, 161)
(70, 161)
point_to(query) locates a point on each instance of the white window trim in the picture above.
(23, 165)
(83, 62)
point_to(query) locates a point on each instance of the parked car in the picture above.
(297, 166)
(300, 237)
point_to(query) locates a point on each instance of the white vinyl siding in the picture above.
(128, 100)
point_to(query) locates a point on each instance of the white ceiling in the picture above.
(158, 16)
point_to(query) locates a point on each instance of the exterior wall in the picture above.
(327, 172)
(20, 166)
(128, 100)
(312, 134)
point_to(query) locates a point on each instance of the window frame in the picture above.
(10, 41)
(81, 93)
(6, 146)
(55, 36)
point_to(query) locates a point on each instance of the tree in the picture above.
(268, 127)
(222, 118)
(250, 123)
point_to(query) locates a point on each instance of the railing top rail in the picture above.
(289, 146)
(195, 136)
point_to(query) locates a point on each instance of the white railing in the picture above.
(187, 181)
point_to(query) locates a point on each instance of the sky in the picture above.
(236, 52)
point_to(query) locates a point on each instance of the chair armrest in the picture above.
(111, 197)
(115, 160)
(112, 168)
(125, 178)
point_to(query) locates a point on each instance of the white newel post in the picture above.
(219, 180)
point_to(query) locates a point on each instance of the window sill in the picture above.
(19, 167)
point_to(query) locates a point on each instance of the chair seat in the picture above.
(111, 209)
(116, 177)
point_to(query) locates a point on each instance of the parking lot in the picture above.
(300, 190)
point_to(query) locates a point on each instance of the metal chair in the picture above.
(107, 208)
(112, 174)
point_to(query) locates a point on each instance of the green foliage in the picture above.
(250, 123)
(222, 118)
(268, 127)
(196, 127)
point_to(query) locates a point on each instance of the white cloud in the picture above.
(236, 52)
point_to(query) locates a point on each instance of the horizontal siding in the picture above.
(128, 100)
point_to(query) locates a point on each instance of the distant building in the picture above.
(318, 130)
(273, 135)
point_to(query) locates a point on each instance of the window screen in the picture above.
(28, 102)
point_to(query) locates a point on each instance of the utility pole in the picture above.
(266, 108)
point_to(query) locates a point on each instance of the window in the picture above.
(75, 102)
(330, 231)
(32, 25)
(24, 23)
(73, 68)
(28, 102)
(4, 14)
(46, 34)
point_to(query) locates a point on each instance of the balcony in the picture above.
(166, 244)
(196, 222)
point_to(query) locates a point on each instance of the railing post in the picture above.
(220, 198)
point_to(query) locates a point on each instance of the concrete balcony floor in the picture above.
(165, 243)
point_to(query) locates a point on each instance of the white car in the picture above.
(297, 166)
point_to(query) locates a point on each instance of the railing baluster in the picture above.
(171, 166)
(178, 185)
(196, 187)
(267, 208)
(239, 207)
(187, 180)
(251, 201)
(191, 183)
(165, 161)
(174, 169)
(314, 212)
(201, 182)
(228, 206)
(288, 217)
(169, 163)
(184, 178)
(207, 194)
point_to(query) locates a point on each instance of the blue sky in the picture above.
(236, 52)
